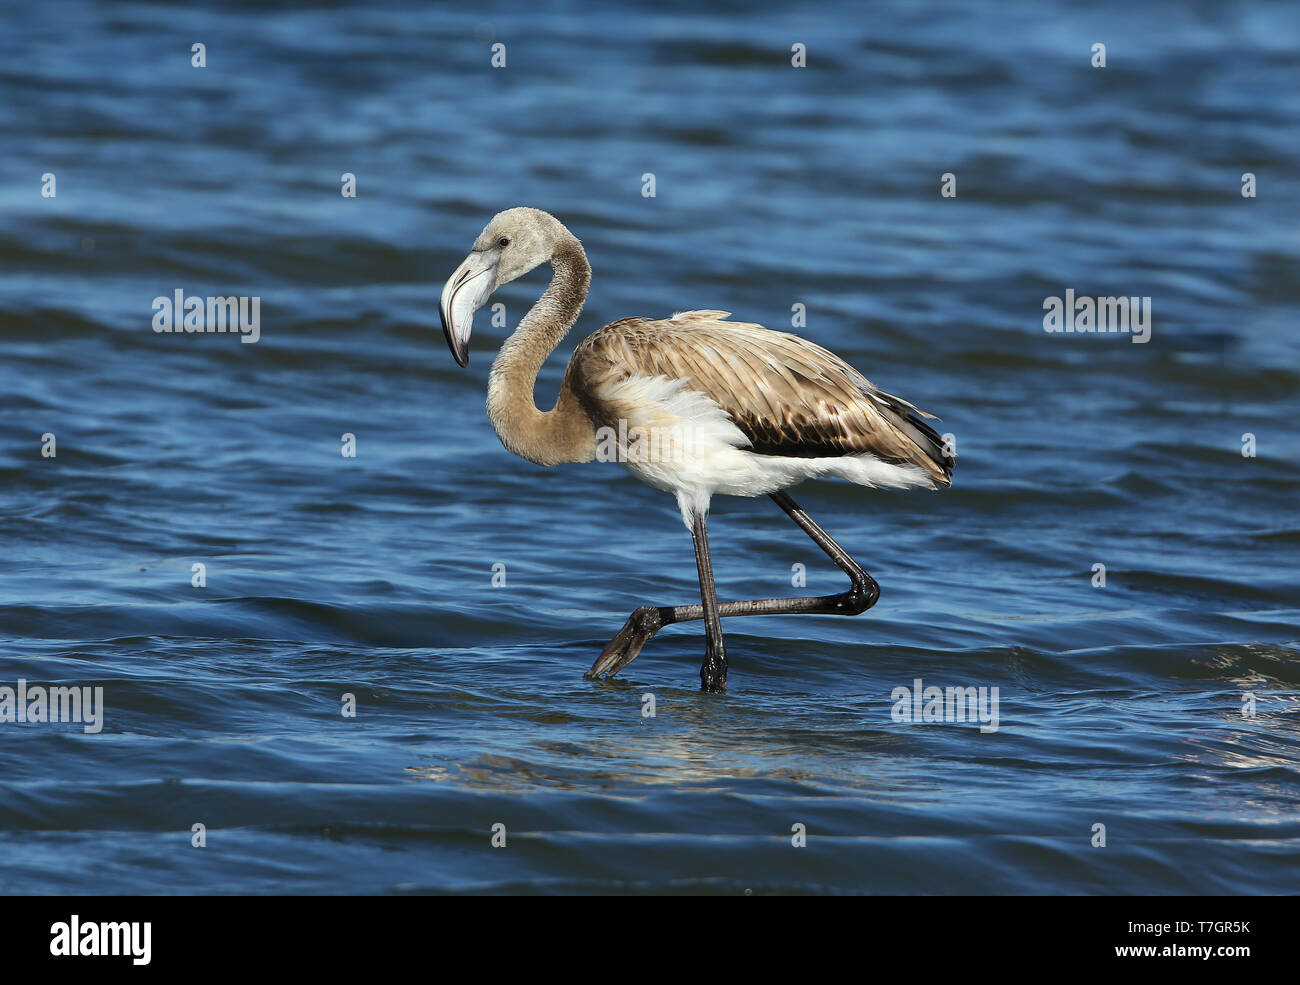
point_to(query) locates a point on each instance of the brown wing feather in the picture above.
(786, 394)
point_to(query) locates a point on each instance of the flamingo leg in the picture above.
(713, 672)
(644, 622)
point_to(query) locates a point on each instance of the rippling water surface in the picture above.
(372, 576)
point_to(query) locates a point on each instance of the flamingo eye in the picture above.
(503, 241)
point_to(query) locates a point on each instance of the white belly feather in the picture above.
(680, 440)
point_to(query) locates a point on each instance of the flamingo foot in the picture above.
(624, 648)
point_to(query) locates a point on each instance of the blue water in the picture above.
(372, 576)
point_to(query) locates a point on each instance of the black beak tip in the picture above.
(461, 357)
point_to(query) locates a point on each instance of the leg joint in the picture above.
(863, 594)
(647, 620)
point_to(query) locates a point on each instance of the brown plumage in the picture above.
(787, 395)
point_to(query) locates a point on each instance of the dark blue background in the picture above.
(775, 186)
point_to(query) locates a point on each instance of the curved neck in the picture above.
(565, 433)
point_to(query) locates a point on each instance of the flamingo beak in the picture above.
(464, 293)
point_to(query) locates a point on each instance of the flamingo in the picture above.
(733, 408)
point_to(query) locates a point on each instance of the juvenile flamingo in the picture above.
(693, 404)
